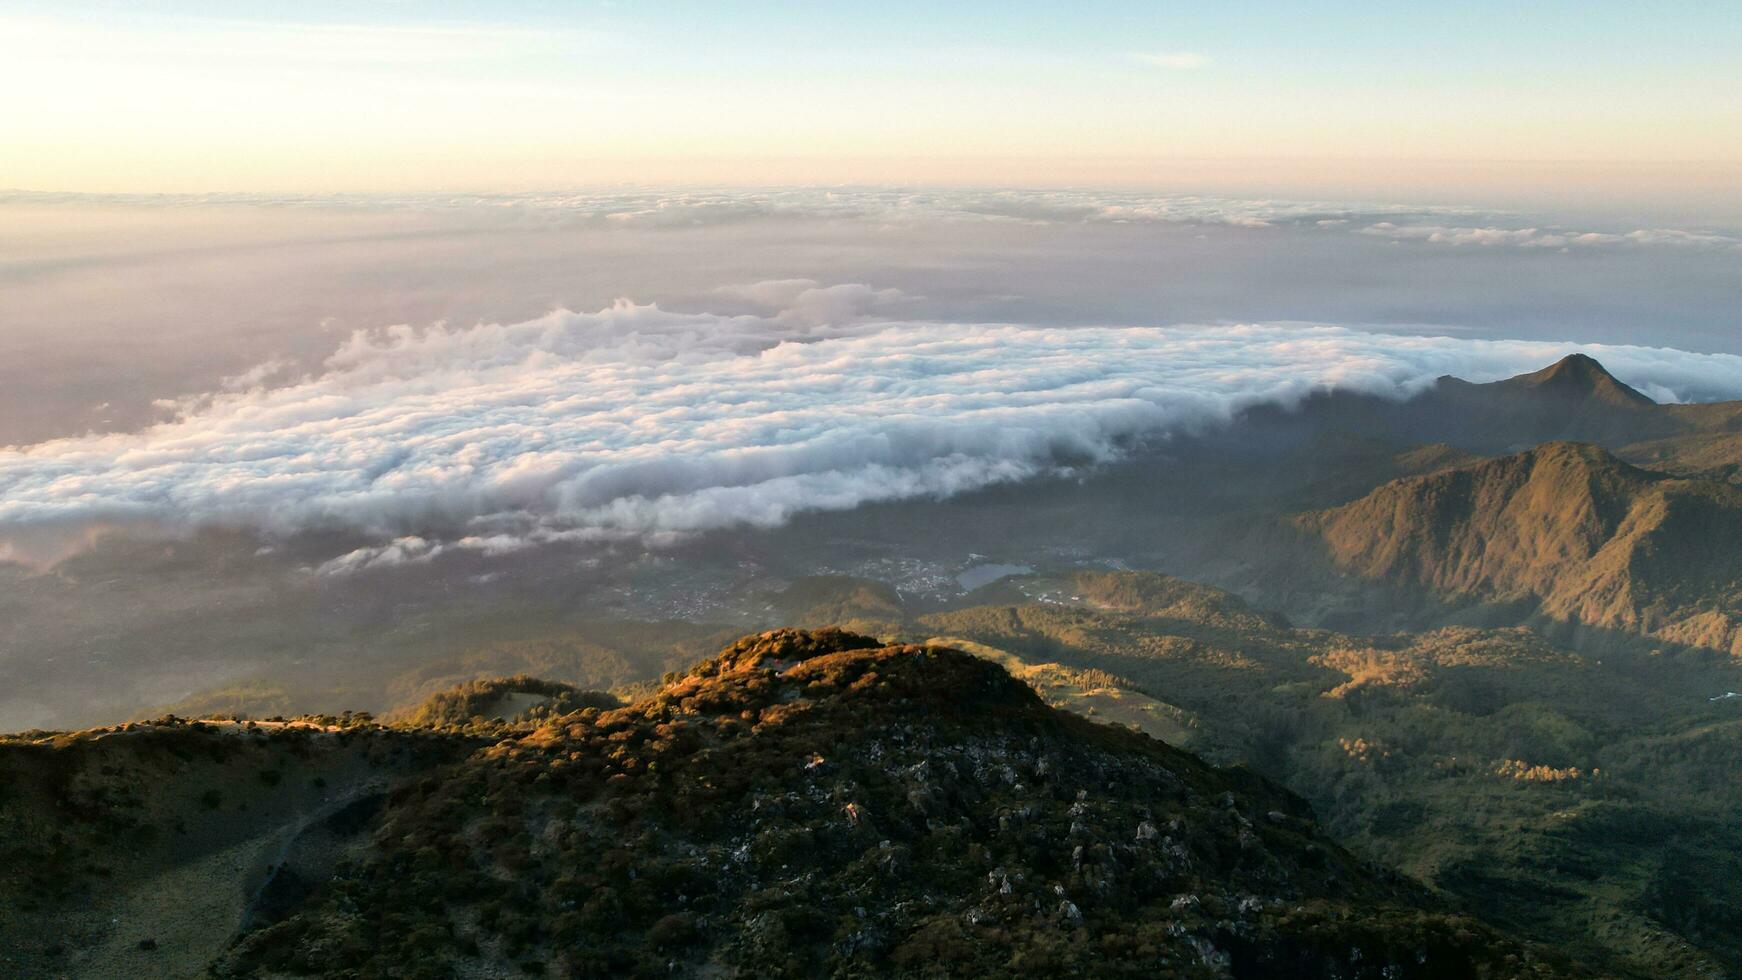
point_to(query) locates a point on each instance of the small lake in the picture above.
(984, 575)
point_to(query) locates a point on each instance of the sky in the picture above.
(1571, 102)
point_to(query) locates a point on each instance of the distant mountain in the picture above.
(804, 804)
(1574, 399)
(1577, 380)
(1565, 528)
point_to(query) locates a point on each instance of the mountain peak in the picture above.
(1581, 376)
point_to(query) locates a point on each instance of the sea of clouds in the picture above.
(634, 421)
(698, 207)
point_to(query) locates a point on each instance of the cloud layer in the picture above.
(636, 421)
(666, 208)
(1548, 237)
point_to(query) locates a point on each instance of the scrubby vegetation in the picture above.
(809, 803)
(817, 803)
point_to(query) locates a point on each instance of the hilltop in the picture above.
(1577, 399)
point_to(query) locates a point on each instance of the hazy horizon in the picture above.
(1595, 106)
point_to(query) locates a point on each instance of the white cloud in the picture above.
(1530, 237)
(1175, 60)
(258, 375)
(664, 208)
(808, 303)
(400, 551)
(638, 422)
(653, 209)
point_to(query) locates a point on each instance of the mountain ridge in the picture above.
(1585, 536)
(1575, 398)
